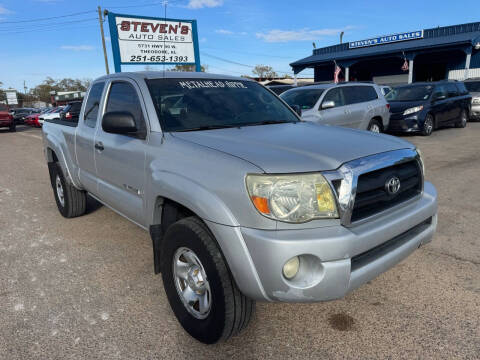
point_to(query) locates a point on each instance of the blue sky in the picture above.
(245, 32)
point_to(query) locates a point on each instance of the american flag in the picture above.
(336, 74)
(405, 65)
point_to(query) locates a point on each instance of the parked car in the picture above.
(424, 107)
(243, 201)
(71, 111)
(33, 119)
(278, 89)
(51, 115)
(19, 114)
(6, 119)
(356, 105)
(473, 86)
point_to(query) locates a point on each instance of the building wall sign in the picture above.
(411, 35)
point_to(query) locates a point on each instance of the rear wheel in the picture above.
(375, 126)
(428, 125)
(462, 120)
(199, 286)
(71, 202)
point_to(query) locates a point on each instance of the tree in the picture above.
(178, 67)
(42, 91)
(264, 72)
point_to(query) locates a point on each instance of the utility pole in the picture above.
(103, 39)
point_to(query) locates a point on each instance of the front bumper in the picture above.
(475, 112)
(401, 123)
(336, 259)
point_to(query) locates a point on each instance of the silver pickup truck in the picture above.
(242, 199)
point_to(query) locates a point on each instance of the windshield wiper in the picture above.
(206, 127)
(269, 122)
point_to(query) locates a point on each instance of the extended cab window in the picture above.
(201, 104)
(123, 98)
(93, 102)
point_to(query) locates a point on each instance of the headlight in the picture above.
(476, 101)
(292, 198)
(413, 110)
(421, 161)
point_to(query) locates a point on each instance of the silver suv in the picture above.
(355, 105)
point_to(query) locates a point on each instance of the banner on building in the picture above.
(139, 40)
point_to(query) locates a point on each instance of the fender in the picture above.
(66, 162)
(205, 204)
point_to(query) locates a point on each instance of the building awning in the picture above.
(464, 35)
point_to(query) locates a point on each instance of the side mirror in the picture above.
(297, 109)
(119, 122)
(328, 105)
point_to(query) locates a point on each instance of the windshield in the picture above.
(200, 104)
(410, 93)
(305, 98)
(473, 86)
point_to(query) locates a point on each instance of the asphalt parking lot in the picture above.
(85, 288)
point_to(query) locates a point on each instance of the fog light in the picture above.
(290, 269)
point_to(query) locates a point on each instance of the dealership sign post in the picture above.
(139, 40)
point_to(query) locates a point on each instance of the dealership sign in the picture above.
(412, 35)
(148, 41)
(11, 97)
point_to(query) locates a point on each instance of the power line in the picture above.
(47, 18)
(44, 26)
(49, 29)
(237, 63)
(249, 53)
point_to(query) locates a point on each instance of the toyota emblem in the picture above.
(392, 185)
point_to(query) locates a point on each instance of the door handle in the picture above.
(99, 146)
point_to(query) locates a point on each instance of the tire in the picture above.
(13, 127)
(71, 202)
(462, 120)
(428, 125)
(227, 311)
(375, 126)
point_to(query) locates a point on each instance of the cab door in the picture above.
(85, 138)
(120, 158)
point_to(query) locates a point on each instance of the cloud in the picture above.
(203, 40)
(224, 32)
(298, 35)
(198, 4)
(229, 32)
(77, 47)
(4, 10)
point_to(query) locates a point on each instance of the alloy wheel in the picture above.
(191, 283)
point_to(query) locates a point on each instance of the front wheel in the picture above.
(375, 126)
(200, 289)
(462, 121)
(427, 128)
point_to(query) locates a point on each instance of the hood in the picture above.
(401, 106)
(475, 94)
(300, 147)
